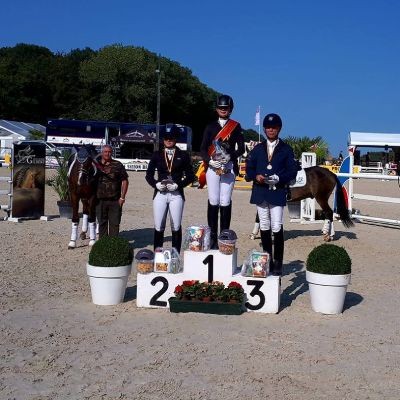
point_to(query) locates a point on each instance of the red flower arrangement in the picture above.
(214, 291)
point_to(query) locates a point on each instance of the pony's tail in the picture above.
(341, 206)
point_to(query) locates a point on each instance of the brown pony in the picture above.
(82, 185)
(320, 183)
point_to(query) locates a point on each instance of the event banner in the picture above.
(28, 180)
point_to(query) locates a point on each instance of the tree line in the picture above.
(114, 83)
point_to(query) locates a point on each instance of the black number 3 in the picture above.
(256, 292)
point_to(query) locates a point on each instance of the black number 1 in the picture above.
(210, 261)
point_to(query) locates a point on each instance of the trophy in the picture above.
(220, 155)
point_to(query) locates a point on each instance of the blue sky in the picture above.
(326, 67)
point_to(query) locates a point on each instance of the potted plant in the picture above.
(211, 298)
(328, 271)
(235, 292)
(59, 182)
(109, 266)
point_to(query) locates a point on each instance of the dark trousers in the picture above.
(108, 214)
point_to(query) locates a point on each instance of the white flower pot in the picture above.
(108, 284)
(327, 292)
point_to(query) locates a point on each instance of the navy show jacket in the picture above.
(283, 164)
(181, 172)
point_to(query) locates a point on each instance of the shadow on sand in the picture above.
(293, 233)
(298, 283)
(140, 238)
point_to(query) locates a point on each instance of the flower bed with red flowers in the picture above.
(210, 291)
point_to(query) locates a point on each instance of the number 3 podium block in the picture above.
(262, 294)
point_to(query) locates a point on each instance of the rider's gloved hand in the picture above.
(161, 187)
(171, 187)
(215, 164)
(272, 180)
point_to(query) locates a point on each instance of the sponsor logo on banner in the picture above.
(28, 180)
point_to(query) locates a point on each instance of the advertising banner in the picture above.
(28, 180)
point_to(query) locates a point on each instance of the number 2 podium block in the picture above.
(261, 294)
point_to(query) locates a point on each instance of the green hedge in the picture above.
(111, 252)
(329, 259)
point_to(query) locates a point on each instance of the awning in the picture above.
(371, 139)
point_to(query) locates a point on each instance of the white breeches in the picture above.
(220, 187)
(271, 217)
(164, 202)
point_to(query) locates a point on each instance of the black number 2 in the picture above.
(154, 300)
(256, 292)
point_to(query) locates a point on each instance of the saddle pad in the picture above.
(300, 180)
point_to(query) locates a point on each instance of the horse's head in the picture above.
(83, 163)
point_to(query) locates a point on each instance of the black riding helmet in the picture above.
(172, 132)
(225, 101)
(272, 120)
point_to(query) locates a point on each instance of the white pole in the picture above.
(259, 124)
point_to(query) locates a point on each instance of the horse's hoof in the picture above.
(71, 245)
(327, 238)
(82, 235)
(252, 236)
(92, 242)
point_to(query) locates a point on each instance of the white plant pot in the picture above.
(327, 292)
(108, 284)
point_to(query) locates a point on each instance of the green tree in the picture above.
(67, 89)
(25, 82)
(121, 84)
(35, 134)
(307, 144)
(251, 134)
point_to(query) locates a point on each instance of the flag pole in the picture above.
(259, 124)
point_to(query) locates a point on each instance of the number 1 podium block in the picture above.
(261, 294)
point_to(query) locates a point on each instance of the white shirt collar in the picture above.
(222, 122)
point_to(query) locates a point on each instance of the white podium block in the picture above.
(201, 265)
(261, 294)
(154, 289)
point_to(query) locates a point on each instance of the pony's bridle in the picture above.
(82, 170)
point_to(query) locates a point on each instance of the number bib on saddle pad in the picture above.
(300, 181)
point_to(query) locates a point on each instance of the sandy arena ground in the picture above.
(55, 344)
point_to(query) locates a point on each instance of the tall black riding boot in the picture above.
(158, 238)
(212, 220)
(177, 239)
(279, 245)
(266, 241)
(226, 214)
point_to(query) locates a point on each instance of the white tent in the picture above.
(12, 131)
(370, 139)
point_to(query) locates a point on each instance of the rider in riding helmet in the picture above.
(222, 145)
(174, 172)
(271, 166)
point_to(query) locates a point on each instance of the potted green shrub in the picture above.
(59, 182)
(328, 272)
(108, 268)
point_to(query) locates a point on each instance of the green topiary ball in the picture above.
(329, 259)
(110, 251)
